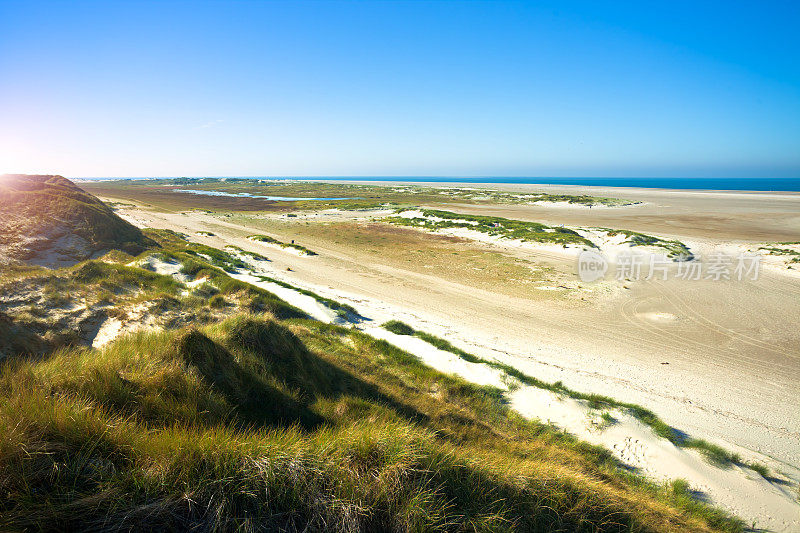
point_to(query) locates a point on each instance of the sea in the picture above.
(713, 184)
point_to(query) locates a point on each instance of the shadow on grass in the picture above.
(269, 359)
(256, 401)
(287, 359)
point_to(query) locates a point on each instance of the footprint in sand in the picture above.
(631, 452)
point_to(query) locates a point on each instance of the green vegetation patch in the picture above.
(491, 196)
(398, 328)
(675, 249)
(362, 196)
(369, 196)
(42, 310)
(793, 254)
(217, 257)
(496, 226)
(248, 253)
(271, 240)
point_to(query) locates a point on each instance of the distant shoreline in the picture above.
(695, 184)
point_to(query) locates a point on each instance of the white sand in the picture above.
(705, 385)
(568, 205)
(416, 213)
(441, 360)
(305, 303)
(112, 327)
(109, 330)
(196, 283)
(165, 268)
(739, 490)
(612, 246)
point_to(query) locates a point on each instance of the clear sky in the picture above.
(400, 88)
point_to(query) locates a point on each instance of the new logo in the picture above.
(591, 265)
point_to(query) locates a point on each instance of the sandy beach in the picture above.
(400, 266)
(718, 360)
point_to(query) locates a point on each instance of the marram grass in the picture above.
(255, 424)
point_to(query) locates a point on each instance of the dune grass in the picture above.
(792, 255)
(532, 231)
(67, 306)
(399, 328)
(248, 253)
(496, 226)
(217, 257)
(675, 249)
(271, 240)
(260, 424)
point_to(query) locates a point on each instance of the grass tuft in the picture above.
(270, 240)
(399, 328)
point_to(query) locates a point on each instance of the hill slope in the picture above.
(258, 424)
(242, 415)
(50, 221)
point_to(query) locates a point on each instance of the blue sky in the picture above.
(400, 88)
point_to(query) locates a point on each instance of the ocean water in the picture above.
(714, 184)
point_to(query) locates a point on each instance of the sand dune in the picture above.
(718, 360)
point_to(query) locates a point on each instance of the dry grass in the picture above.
(270, 421)
(257, 424)
(42, 309)
(450, 258)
